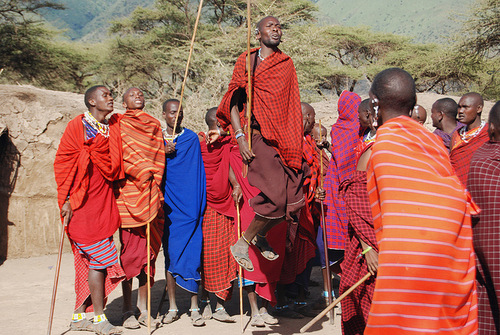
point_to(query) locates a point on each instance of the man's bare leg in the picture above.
(171, 316)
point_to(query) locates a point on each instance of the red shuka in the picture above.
(275, 104)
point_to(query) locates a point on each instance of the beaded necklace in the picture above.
(369, 137)
(171, 138)
(466, 137)
(97, 126)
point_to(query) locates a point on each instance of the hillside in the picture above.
(425, 20)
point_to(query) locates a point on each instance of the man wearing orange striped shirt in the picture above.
(140, 201)
(421, 213)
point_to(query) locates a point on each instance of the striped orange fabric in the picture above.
(139, 195)
(425, 281)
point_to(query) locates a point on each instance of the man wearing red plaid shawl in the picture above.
(466, 140)
(275, 160)
(484, 186)
(361, 235)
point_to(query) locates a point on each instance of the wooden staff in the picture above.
(240, 279)
(148, 231)
(187, 65)
(325, 239)
(333, 304)
(56, 276)
(249, 85)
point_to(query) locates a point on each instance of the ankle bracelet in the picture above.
(78, 317)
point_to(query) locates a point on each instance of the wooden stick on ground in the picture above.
(249, 86)
(333, 304)
(56, 276)
(148, 231)
(187, 64)
(325, 238)
(240, 277)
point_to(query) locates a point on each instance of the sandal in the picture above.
(242, 258)
(303, 308)
(171, 316)
(106, 328)
(207, 311)
(196, 319)
(222, 316)
(143, 320)
(269, 319)
(257, 321)
(265, 249)
(83, 325)
(129, 321)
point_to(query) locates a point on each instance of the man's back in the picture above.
(421, 216)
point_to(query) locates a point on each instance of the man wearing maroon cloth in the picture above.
(466, 140)
(444, 119)
(88, 160)
(275, 159)
(484, 186)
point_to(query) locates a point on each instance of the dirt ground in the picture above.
(26, 290)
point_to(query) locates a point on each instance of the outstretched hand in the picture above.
(246, 154)
(212, 136)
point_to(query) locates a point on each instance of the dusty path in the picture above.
(26, 288)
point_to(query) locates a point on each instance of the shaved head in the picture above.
(494, 120)
(308, 116)
(211, 118)
(90, 94)
(476, 98)
(419, 114)
(395, 90)
(448, 106)
(258, 27)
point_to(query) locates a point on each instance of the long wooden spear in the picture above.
(187, 65)
(56, 276)
(325, 238)
(333, 304)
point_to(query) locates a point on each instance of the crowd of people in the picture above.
(415, 210)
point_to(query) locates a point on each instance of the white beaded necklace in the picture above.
(101, 128)
(261, 58)
(467, 137)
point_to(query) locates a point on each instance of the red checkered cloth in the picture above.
(344, 135)
(484, 185)
(311, 156)
(275, 104)
(356, 306)
(216, 162)
(461, 151)
(219, 266)
(114, 276)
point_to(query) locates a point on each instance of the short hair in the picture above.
(124, 93)
(257, 26)
(167, 102)
(90, 94)
(211, 117)
(396, 88)
(475, 96)
(494, 117)
(364, 105)
(448, 106)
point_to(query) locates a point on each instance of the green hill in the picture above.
(424, 20)
(89, 20)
